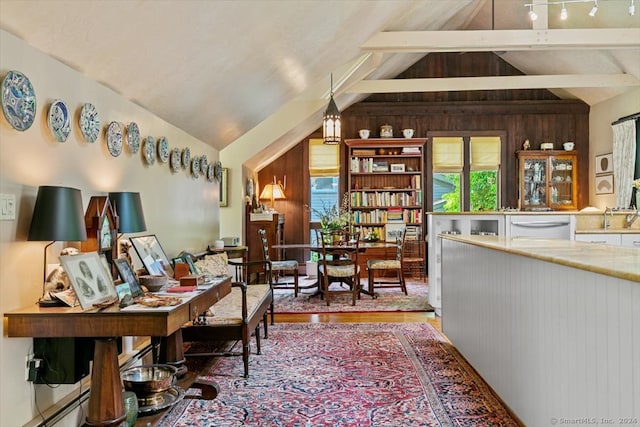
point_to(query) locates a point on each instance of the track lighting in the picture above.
(632, 8)
(563, 13)
(594, 9)
(532, 15)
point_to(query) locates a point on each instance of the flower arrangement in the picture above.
(636, 184)
(335, 217)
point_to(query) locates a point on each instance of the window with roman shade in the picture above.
(447, 154)
(324, 160)
(485, 152)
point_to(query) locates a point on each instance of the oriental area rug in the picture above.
(388, 299)
(373, 374)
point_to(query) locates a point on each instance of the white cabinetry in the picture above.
(631, 240)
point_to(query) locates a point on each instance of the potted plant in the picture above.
(336, 217)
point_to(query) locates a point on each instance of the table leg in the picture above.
(106, 407)
(172, 352)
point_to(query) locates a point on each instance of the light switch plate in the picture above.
(7, 207)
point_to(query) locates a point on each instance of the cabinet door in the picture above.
(630, 240)
(562, 182)
(604, 238)
(533, 182)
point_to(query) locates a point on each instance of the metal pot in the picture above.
(149, 379)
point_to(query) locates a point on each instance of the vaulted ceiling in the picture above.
(221, 70)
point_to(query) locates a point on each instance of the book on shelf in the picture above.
(363, 152)
(410, 150)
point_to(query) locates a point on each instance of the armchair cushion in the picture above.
(226, 311)
(216, 265)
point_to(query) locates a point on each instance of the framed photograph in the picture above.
(397, 167)
(604, 164)
(89, 279)
(189, 260)
(152, 255)
(604, 184)
(393, 230)
(223, 187)
(128, 276)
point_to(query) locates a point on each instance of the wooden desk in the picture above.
(105, 400)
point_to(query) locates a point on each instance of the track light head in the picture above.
(532, 15)
(594, 9)
(632, 8)
(563, 13)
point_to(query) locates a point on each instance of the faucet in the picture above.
(605, 221)
(631, 218)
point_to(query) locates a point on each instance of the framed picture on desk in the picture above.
(152, 255)
(89, 278)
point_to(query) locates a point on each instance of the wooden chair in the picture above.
(339, 263)
(414, 258)
(383, 268)
(236, 316)
(278, 267)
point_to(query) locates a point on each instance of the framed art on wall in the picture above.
(223, 187)
(604, 164)
(604, 184)
(89, 278)
(152, 255)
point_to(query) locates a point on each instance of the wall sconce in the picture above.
(57, 216)
(273, 192)
(331, 121)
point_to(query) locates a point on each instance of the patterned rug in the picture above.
(389, 299)
(373, 374)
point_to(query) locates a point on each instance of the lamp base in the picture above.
(50, 303)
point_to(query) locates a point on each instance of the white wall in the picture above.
(182, 211)
(601, 136)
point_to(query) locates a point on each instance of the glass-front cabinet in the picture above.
(547, 180)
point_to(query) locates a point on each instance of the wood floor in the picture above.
(390, 317)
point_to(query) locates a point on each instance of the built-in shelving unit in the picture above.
(385, 184)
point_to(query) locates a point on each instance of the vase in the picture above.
(130, 407)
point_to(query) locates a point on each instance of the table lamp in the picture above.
(129, 209)
(272, 192)
(57, 216)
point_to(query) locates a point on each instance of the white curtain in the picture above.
(624, 157)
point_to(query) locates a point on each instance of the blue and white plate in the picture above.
(163, 149)
(89, 122)
(59, 120)
(204, 163)
(133, 137)
(176, 160)
(218, 171)
(114, 139)
(195, 166)
(211, 174)
(18, 100)
(150, 150)
(186, 158)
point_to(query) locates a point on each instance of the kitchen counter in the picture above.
(614, 261)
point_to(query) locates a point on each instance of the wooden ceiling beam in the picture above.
(494, 83)
(503, 40)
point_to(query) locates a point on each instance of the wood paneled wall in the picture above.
(536, 114)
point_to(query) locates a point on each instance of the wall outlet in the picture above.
(7, 207)
(32, 365)
(27, 365)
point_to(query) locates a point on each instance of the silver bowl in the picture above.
(149, 379)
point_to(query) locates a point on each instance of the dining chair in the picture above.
(279, 267)
(414, 258)
(387, 273)
(339, 263)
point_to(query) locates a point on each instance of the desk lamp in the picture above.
(57, 216)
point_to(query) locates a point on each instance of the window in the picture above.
(324, 174)
(465, 173)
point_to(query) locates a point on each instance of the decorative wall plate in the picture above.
(150, 150)
(218, 170)
(176, 161)
(163, 149)
(195, 166)
(18, 100)
(89, 122)
(114, 139)
(186, 158)
(211, 174)
(204, 163)
(59, 121)
(133, 137)
(250, 188)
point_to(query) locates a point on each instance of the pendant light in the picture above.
(331, 121)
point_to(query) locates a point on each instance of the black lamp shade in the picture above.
(129, 209)
(58, 215)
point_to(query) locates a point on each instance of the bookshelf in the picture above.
(385, 184)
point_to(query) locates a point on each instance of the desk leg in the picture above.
(106, 407)
(172, 352)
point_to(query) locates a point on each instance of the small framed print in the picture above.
(224, 202)
(397, 167)
(89, 278)
(128, 276)
(152, 255)
(604, 184)
(604, 164)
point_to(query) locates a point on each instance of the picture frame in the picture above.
(128, 276)
(152, 255)
(604, 184)
(604, 164)
(223, 188)
(89, 278)
(397, 167)
(189, 260)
